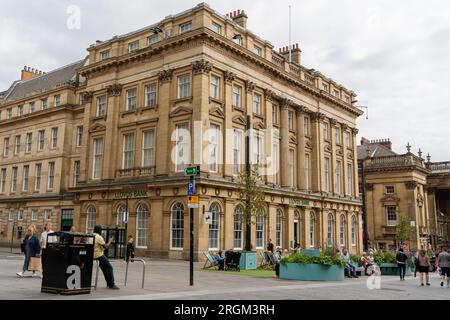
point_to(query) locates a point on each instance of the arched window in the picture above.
(296, 226)
(330, 233)
(142, 225)
(90, 219)
(237, 243)
(279, 228)
(121, 213)
(342, 230)
(312, 229)
(354, 240)
(214, 227)
(260, 229)
(177, 226)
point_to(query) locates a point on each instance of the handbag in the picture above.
(35, 264)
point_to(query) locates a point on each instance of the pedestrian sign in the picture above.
(191, 188)
(193, 202)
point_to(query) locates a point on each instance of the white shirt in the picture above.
(51, 239)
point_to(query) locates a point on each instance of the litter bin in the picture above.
(67, 263)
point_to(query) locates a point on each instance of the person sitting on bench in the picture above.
(350, 268)
(219, 259)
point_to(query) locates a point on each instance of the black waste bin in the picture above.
(67, 263)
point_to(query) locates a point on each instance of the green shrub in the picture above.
(323, 258)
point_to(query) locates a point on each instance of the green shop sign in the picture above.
(131, 194)
(297, 202)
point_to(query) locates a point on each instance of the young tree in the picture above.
(403, 229)
(252, 199)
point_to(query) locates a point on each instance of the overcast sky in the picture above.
(394, 54)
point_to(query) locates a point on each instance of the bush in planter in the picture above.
(323, 258)
(356, 259)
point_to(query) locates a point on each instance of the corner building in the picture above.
(179, 92)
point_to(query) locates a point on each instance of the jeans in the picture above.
(277, 269)
(351, 270)
(402, 268)
(107, 270)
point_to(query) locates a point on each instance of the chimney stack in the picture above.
(30, 73)
(295, 53)
(239, 17)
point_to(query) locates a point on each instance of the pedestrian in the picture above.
(401, 258)
(270, 246)
(219, 260)
(44, 234)
(443, 262)
(105, 265)
(31, 248)
(423, 266)
(130, 247)
(277, 258)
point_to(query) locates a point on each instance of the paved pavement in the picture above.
(169, 279)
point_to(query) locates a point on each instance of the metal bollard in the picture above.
(143, 271)
(96, 275)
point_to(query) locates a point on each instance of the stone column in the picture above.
(229, 223)
(290, 210)
(228, 135)
(111, 139)
(158, 233)
(316, 154)
(284, 148)
(301, 145)
(268, 138)
(271, 224)
(85, 153)
(333, 159)
(355, 164)
(345, 186)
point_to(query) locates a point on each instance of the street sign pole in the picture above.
(191, 245)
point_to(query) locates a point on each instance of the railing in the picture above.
(136, 172)
(277, 60)
(143, 271)
(309, 79)
(394, 161)
(440, 166)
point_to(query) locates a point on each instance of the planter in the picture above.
(391, 269)
(311, 272)
(248, 260)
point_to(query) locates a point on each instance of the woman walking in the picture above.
(31, 248)
(423, 266)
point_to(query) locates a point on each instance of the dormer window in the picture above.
(217, 28)
(324, 87)
(104, 55)
(185, 27)
(257, 50)
(336, 93)
(152, 39)
(133, 46)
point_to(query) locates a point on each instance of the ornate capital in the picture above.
(333, 121)
(285, 103)
(431, 190)
(249, 85)
(269, 94)
(165, 75)
(369, 186)
(355, 131)
(114, 89)
(344, 126)
(229, 76)
(201, 66)
(87, 96)
(303, 109)
(411, 184)
(318, 116)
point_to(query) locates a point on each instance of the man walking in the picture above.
(105, 265)
(443, 262)
(401, 258)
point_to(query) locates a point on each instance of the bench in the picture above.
(265, 260)
(210, 262)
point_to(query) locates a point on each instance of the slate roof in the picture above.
(376, 150)
(53, 79)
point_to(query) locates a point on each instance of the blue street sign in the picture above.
(191, 188)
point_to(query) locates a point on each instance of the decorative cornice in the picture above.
(114, 89)
(229, 76)
(411, 184)
(165, 75)
(201, 66)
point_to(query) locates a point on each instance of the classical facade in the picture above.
(149, 103)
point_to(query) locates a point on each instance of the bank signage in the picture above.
(297, 202)
(16, 205)
(131, 194)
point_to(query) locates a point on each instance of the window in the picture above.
(17, 145)
(51, 175)
(101, 106)
(324, 87)
(391, 215)
(34, 215)
(342, 231)
(291, 120)
(337, 135)
(306, 126)
(184, 86)
(133, 46)
(350, 179)
(182, 148)
(278, 228)
(142, 226)
(148, 148)
(274, 114)
(276, 164)
(347, 99)
(152, 39)
(257, 50)
(336, 93)
(330, 230)
(31, 107)
(5, 147)
(41, 140)
(338, 176)
(185, 27)
(26, 171)
(121, 215)
(3, 180)
(54, 137)
(237, 239)
(57, 100)
(150, 95)
(353, 231)
(98, 155)
(20, 110)
(76, 172)
(326, 185)
(28, 142)
(291, 167)
(90, 219)
(390, 189)
(326, 135)
(131, 100)
(215, 85)
(104, 55)
(347, 140)
(307, 174)
(238, 39)
(260, 230)
(9, 113)
(14, 180)
(11, 215)
(257, 103)
(167, 33)
(237, 96)
(79, 138)
(217, 28)
(258, 149)
(128, 151)
(177, 226)
(20, 215)
(237, 151)
(43, 104)
(37, 177)
(214, 136)
(312, 229)
(214, 227)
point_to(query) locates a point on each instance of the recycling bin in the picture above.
(67, 263)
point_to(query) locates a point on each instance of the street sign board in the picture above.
(190, 171)
(191, 188)
(207, 218)
(193, 202)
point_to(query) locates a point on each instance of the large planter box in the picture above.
(311, 272)
(248, 260)
(391, 269)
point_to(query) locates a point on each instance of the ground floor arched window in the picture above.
(260, 229)
(91, 213)
(142, 225)
(214, 227)
(177, 226)
(278, 228)
(312, 229)
(237, 241)
(354, 237)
